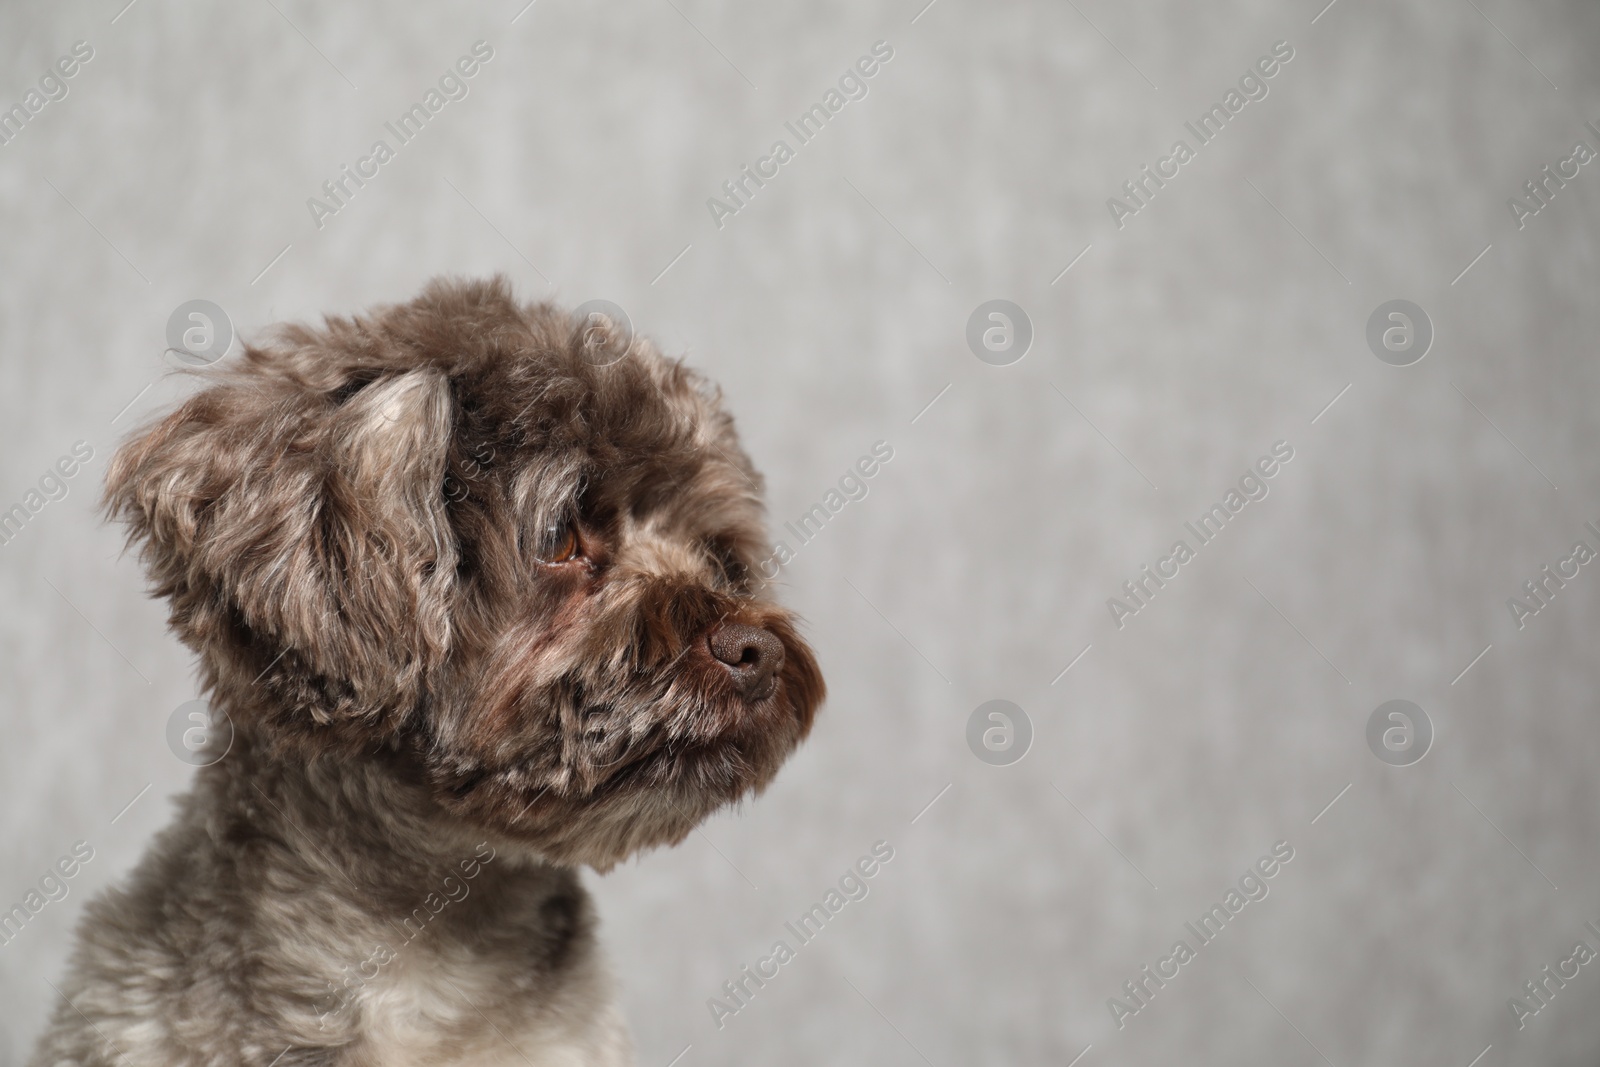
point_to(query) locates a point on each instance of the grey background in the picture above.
(1222, 318)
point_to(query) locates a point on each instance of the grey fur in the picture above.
(251, 931)
(454, 580)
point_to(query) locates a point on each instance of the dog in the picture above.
(473, 584)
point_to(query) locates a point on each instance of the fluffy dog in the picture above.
(473, 583)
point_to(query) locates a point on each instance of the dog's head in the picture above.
(517, 547)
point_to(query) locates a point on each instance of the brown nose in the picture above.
(752, 657)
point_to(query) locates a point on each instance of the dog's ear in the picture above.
(300, 535)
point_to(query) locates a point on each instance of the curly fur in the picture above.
(349, 526)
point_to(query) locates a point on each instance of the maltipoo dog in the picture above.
(473, 583)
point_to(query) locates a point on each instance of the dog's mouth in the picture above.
(676, 738)
(592, 774)
(665, 769)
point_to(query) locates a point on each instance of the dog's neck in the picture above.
(368, 822)
(355, 857)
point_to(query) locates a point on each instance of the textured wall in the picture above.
(1221, 317)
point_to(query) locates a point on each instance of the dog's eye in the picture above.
(558, 543)
(728, 562)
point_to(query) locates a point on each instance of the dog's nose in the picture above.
(752, 657)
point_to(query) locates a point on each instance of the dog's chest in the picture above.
(438, 1011)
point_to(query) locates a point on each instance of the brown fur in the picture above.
(348, 525)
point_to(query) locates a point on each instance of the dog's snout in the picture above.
(752, 657)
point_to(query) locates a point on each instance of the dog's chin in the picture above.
(656, 802)
(645, 801)
(652, 802)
